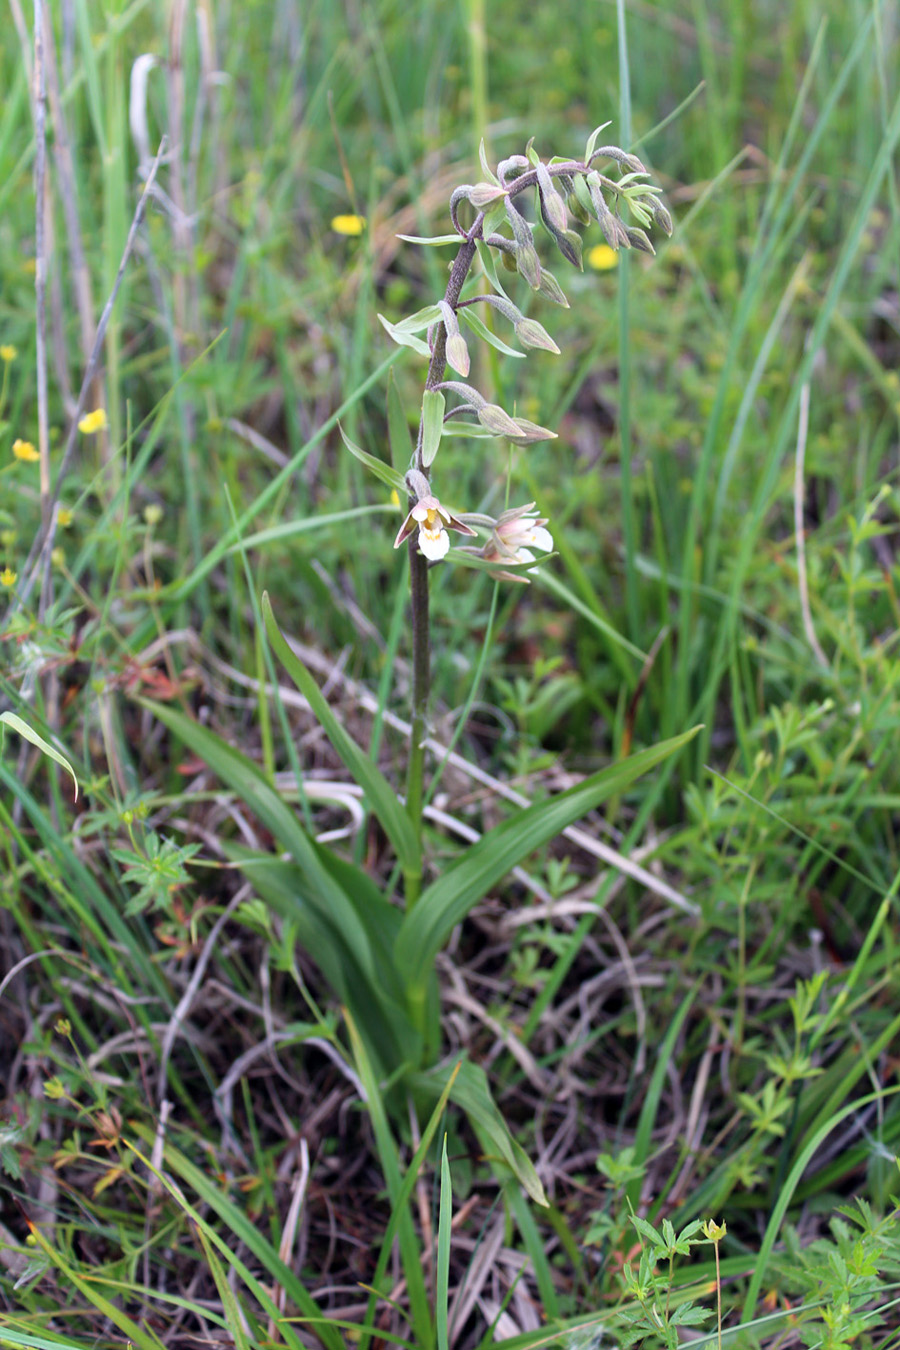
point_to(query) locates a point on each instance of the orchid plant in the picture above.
(499, 231)
(377, 955)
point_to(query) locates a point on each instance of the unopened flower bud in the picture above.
(499, 422)
(531, 334)
(458, 353)
(639, 239)
(662, 217)
(482, 194)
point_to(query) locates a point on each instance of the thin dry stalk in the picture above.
(39, 102)
(38, 559)
(68, 192)
(802, 582)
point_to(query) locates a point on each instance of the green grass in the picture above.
(194, 1137)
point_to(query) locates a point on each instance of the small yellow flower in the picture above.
(714, 1231)
(602, 257)
(8, 352)
(64, 517)
(348, 224)
(93, 421)
(8, 577)
(25, 450)
(153, 513)
(58, 556)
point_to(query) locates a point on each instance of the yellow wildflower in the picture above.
(93, 421)
(58, 556)
(25, 450)
(8, 577)
(8, 352)
(64, 517)
(602, 257)
(348, 224)
(153, 513)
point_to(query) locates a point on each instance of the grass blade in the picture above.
(448, 900)
(382, 798)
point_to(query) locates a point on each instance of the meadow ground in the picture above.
(235, 981)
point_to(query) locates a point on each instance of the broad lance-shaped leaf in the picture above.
(251, 786)
(403, 338)
(472, 1093)
(482, 330)
(379, 1004)
(385, 472)
(448, 900)
(19, 724)
(432, 427)
(383, 800)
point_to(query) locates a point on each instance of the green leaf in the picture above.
(494, 216)
(400, 1201)
(442, 1287)
(410, 1256)
(251, 786)
(13, 720)
(399, 436)
(485, 167)
(489, 267)
(433, 404)
(404, 339)
(432, 242)
(469, 430)
(382, 798)
(243, 1233)
(448, 900)
(415, 323)
(479, 327)
(471, 1092)
(647, 1119)
(377, 1002)
(592, 141)
(463, 559)
(385, 472)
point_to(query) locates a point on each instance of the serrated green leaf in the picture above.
(687, 1315)
(481, 329)
(646, 1230)
(433, 404)
(28, 733)
(461, 885)
(382, 798)
(385, 472)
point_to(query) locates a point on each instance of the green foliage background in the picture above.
(719, 1077)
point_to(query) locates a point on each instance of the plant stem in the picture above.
(418, 576)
